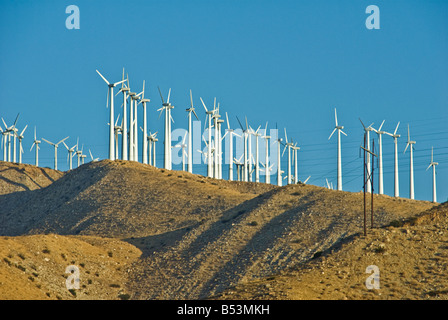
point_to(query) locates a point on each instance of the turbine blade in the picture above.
(331, 133)
(343, 133)
(103, 77)
(191, 98)
(168, 99)
(379, 129)
(194, 112)
(203, 104)
(396, 127)
(23, 130)
(335, 117)
(161, 97)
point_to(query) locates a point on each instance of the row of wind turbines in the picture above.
(410, 143)
(13, 153)
(247, 166)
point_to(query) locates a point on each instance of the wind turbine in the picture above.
(215, 118)
(279, 171)
(411, 165)
(367, 131)
(395, 136)
(288, 145)
(339, 160)
(267, 137)
(433, 165)
(167, 107)
(91, 157)
(295, 148)
(380, 158)
(78, 152)
(145, 135)
(4, 138)
(209, 154)
(190, 133)
(239, 166)
(124, 142)
(20, 137)
(133, 126)
(70, 155)
(257, 166)
(245, 152)
(230, 152)
(183, 146)
(36, 142)
(110, 94)
(11, 131)
(55, 145)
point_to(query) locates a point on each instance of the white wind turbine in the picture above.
(395, 136)
(367, 131)
(110, 94)
(411, 164)
(209, 154)
(124, 142)
(11, 131)
(152, 147)
(216, 140)
(239, 166)
(167, 107)
(91, 157)
(183, 146)
(20, 137)
(433, 165)
(36, 142)
(288, 145)
(295, 148)
(339, 160)
(190, 133)
(71, 153)
(380, 158)
(256, 134)
(279, 171)
(4, 138)
(145, 135)
(266, 165)
(55, 145)
(245, 137)
(230, 152)
(78, 152)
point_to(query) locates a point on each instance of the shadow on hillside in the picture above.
(45, 210)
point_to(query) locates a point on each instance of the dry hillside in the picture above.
(190, 237)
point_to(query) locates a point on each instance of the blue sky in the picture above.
(287, 62)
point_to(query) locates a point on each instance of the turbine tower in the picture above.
(167, 107)
(380, 158)
(256, 134)
(339, 160)
(410, 144)
(36, 142)
(367, 131)
(124, 142)
(433, 165)
(20, 137)
(295, 148)
(110, 94)
(70, 155)
(266, 165)
(288, 145)
(245, 135)
(145, 135)
(279, 171)
(395, 136)
(190, 134)
(230, 152)
(55, 145)
(209, 152)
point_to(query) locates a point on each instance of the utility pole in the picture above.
(368, 179)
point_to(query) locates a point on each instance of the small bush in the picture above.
(124, 296)
(46, 251)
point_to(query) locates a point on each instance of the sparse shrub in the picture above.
(21, 256)
(380, 250)
(114, 285)
(253, 223)
(72, 291)
(46, 250)
(82, 264)
(124, 296)
(7, 261)
(20, 267)
(110, 254)
(396, 223)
